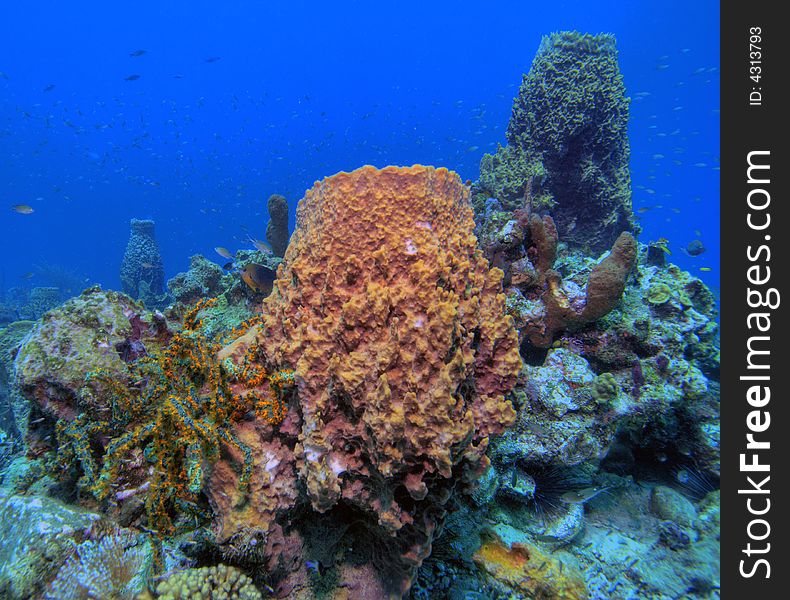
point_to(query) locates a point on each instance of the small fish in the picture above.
(260, 245)
(258, 278)
(705, 269)
(147, 265)
(583, 495)
(137, 53)
(50, 87)
(28, 275)
(22, 209)
(223, 252)
(228, 266)
(134, 77)
(701, 165)
(658, 156)
(695, 248)
(212, 59)
(662, 244)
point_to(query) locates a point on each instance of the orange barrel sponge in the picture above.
(396, 328)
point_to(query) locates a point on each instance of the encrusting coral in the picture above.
(404, 358)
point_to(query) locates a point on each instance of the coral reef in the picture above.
(235, 302)
(529, 570)
(37, 534)
(203, 280)
(406, 410)
(277, 229)
(43, 299)
(633, 394)
(10, 403)
(567, 142)
(142, 272)
(542, 302)
(175, 408)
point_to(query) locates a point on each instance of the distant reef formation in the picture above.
(142, 271)
(403, 360)
(567, 143)
(277, 229)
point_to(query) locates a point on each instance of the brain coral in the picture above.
(404, 357)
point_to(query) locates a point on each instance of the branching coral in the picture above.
(178, 407)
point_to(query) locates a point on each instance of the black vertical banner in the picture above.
(755, 540)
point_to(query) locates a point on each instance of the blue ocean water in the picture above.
(231, 102)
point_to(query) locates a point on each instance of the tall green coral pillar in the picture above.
(568, 142)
